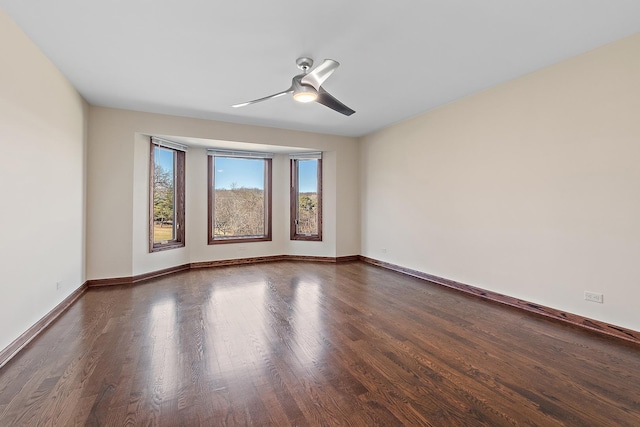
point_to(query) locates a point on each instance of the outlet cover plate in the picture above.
(593, 297)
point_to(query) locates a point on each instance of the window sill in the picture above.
(222, 241)
(166, 247)
(309, 238)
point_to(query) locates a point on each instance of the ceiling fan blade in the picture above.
(275, 95)
(321, 73)
(326, 99)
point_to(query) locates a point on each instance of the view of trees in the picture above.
(163, 204)
(308, 213)
(239, 211)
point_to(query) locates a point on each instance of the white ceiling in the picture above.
(196, 58)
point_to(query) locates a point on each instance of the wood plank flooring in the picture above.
(313, 344)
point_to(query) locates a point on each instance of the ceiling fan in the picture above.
(307, 87)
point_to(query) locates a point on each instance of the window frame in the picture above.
(178, 198)
(267, 237)
(294, 199)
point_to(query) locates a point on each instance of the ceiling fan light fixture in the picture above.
(305, 94)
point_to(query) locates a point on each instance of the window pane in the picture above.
(307, 197)
(239, 197)
(164, 195)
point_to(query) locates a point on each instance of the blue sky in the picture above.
(307, 176)
(248, 173)
(165, 159)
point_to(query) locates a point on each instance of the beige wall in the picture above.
(530, 188)
(42, 140)
(117, 202)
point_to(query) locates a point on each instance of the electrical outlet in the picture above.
(58, 285)
(384, 250)
(593, 297)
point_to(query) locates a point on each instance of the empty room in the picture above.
(357, 213)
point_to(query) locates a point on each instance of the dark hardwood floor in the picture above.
(294, 343)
